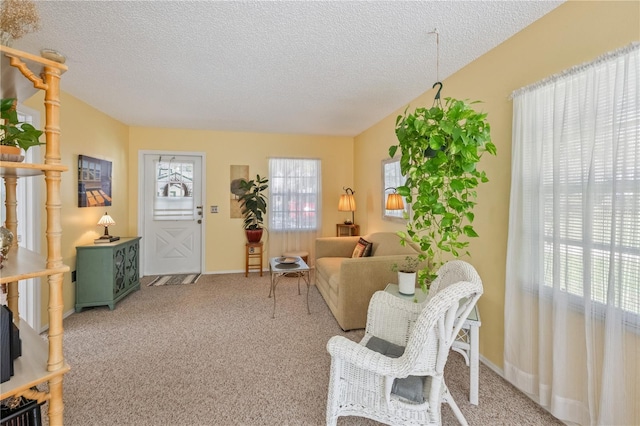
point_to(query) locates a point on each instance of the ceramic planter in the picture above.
(11, 153)
(253, 235)
(407, 283)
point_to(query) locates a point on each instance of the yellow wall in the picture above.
(224, 237)
(86, 131)
(574, 33)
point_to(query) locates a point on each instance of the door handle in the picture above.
(199, 220)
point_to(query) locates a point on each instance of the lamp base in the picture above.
(106, 239)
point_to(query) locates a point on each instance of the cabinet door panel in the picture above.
(119, 271)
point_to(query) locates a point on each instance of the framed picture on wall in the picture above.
(94, 182)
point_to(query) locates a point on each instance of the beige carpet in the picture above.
(210, 354)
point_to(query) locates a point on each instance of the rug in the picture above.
(174, 279)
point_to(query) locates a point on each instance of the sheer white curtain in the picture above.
(295, 188)
(572, 302)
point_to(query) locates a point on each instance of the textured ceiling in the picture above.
(308, 67)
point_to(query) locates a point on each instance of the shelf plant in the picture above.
(409, 266)
(440, 148)
(13, 133)
(253, 204)
(407, 273)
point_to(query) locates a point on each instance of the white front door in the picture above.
(172, 218)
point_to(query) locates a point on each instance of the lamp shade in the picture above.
(106, 220)
(347, 203)
(394, 202)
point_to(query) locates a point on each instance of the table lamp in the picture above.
(106, 221)
(347, 203)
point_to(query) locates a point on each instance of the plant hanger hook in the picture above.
(437, 98)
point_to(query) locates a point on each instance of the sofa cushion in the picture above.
(329, 267)
(362, 248)
(387, 244)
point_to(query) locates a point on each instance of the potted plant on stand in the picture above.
(253, 203)
(407, 273)
(14, 135)
(440, 149)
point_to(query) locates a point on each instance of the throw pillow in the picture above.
(412, 387)
(362, 249)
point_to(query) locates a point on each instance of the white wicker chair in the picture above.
(361, 380)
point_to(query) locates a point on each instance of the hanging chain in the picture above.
(436, 100)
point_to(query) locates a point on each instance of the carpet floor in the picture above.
(210, 354)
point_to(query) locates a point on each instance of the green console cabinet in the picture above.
(105, 273)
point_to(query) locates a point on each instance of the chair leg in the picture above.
(332, 394)
(454, 407)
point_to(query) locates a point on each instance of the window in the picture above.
(392, 178)
(572, 294)
(294, 194)
(582, 180)
(173, 198)
(592, 204)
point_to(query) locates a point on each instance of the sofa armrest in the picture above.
(359, 279)
(335, 246)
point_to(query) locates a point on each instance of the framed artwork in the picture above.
(94, 182)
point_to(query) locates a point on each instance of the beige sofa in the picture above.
(346, 283)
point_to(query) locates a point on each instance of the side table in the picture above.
(253, 258)
(347, 230)
(277, 270)
(467, 343)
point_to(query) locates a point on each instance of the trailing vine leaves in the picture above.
(440, 148)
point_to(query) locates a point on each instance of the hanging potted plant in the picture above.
(253, 204)
(14, 135)
(440, 149)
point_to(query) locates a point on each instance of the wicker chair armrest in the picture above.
(359, 356)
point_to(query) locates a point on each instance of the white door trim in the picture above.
(141, 186)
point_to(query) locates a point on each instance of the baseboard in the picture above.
(499, 371)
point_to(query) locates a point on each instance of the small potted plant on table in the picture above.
(407, 273)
